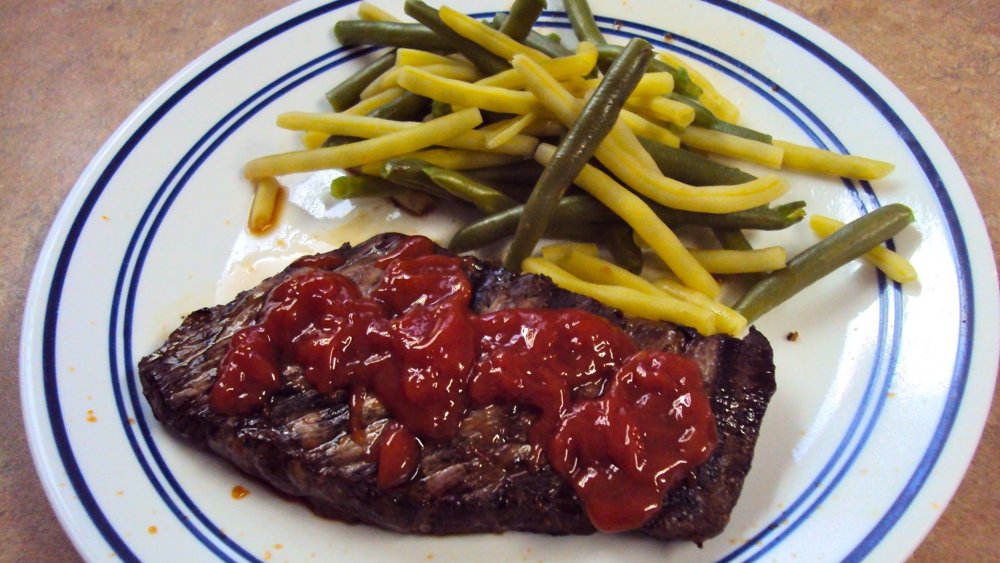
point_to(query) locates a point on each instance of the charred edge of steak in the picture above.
(480, 481)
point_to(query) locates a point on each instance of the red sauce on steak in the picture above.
(416, 345)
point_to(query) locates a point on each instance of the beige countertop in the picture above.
(73, 71)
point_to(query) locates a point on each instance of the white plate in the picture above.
(879, 405)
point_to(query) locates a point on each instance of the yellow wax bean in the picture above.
(370, 127)
(644, 221)
(485, 36)
(726, 319)
(463, 94)
(629, 301)
(733, 146)
(741, 261)
(371, 12)
(370, 150)
(810, 159)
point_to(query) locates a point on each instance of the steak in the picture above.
(481, 480)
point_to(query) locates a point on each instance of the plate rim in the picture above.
(75, 200)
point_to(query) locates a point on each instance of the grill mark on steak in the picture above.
(483, 479)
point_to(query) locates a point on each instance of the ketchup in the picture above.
(622, 426)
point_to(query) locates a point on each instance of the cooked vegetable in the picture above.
(486, 37)
(372, 103)
(370, 127)
(644, 221)
(573, 65)
(453, 159)
(485, 198)
(726, 319)
(407, 107)
(606, 53)
(389, 34)
(265, 200)
(409, 172)
(646, 129)
(625, 163)
(523, 14)
(371, 150)
(651, 84)
(468, 95)
(710, 97)
(348, 92)
(853, 240)
(544, 43)
(582, 20)
(526, 172)
(596, 118)
(690, 168)
(453, 71)
(370, 12)
(893, 265)
(512, 128)
(809, 159)
(621, 244)
(733, 146)
(571, 210)
(416, 57)
(740, 261)
(664, 109)
(483, 59)
(629, 301)
(347, 187)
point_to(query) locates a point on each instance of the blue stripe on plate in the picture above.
(62, 265)
(51, 318)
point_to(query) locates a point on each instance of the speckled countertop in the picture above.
(71, 72)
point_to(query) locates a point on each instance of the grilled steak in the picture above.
(483, 479)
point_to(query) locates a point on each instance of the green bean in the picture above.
(348, 92)
(523, 15)
(849, 242)
(571, 209)
(415, 202)
(596, 119)
(582, 20)
(337, 140)
(703, 117)
(583, 232)
(761, 218)
(606, 54)
(346, 187)
(740, 131)
(409, 172)
(732, 239)
(690, 168)
(408, 107)
(535, 40)
(484, 60)
(526, 172)
(621, 244)
(392, 34)
(586, 209)
(485, 198)
(440, 109)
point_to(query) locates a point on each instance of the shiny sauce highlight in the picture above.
(621, 425)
